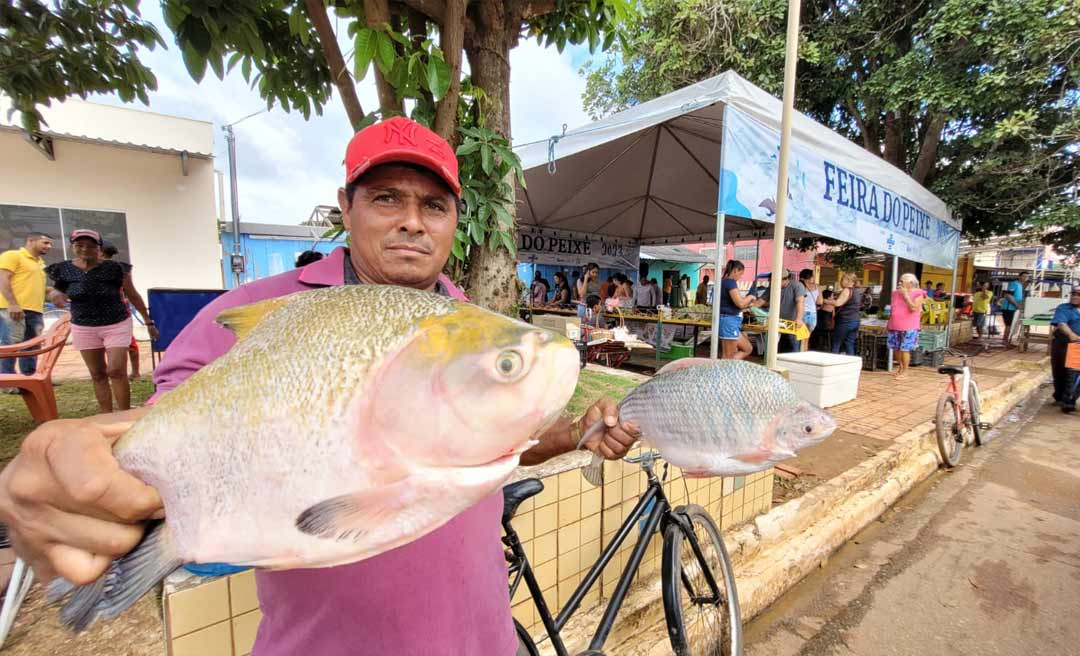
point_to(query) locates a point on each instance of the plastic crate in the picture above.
(921, 357)
(932, 340)
(678, 351)
(874, 351)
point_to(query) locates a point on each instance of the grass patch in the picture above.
(74, 398)
(592, 386)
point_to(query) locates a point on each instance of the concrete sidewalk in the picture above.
(982, 560)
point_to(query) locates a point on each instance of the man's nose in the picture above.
(411, 220)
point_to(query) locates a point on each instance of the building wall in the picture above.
(171, 220)
(267, 256)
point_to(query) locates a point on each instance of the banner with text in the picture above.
(824, 198)
(573, 249)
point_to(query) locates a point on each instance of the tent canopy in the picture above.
(650, 173)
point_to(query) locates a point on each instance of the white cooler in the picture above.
(824, 379)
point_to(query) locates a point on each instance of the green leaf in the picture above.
(508, 242)
(234, 60)
(486, 160)
(438, 77)
(216, 64)
(468, 148)
(364, 51)
(457, 251)
(609, 38)
(384, 52)
(245, 68)
(195, 62)
(503, 216)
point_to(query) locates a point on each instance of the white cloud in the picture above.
(287, 166)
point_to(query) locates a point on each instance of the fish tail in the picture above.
(126, 581)
(594, 471)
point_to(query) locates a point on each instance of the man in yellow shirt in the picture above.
(980, 307)
(22, 297)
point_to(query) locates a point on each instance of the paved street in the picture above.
(982, 560)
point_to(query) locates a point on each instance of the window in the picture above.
(744, 253)
(18, 220)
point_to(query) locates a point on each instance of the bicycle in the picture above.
(958, 412)
(701, 608)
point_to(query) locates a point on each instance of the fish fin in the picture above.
(754, 457)
(242, 318)
(697, 473)
(683, 363)
(349, 516)
(125, 582)
(594, 471)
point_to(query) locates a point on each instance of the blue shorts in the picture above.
(903, 340)
(810, 319)
(730, 326)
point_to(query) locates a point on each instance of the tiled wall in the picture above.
(218, 617)
(562, 529)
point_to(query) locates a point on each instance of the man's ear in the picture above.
(345, 206)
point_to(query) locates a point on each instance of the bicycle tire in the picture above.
(526, 646)
(710, 619)
(948, 445)
(975, 412)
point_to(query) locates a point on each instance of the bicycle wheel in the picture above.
(526, 646)
(698, 625)
(950, 439)
(975, 411)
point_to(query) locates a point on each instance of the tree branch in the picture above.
(452, 42)
(928, 151)
(340, 75)
(378, 15)
(528, 9)
(433, 9)
(867, 138)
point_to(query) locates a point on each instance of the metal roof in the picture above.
(124, 127)
(673, 254)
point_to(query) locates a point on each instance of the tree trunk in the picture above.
(894, 141)
(378, 16)
(451, 41)
(928, 152)
(492, 279)
(344, 82)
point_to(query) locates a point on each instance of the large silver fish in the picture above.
(719, 418)
(343, 423)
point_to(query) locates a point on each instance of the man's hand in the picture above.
(153, 331)
(69, 508)
(616, 438)
(15, 312)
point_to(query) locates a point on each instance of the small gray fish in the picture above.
(719, 418)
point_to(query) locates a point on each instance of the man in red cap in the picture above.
(70, 510)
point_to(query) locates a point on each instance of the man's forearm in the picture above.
(555, 441)
(6, 290)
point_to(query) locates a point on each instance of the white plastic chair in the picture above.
(22, 577)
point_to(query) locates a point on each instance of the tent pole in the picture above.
(779, 227)
(952, 301)
(714, 338)
(895, 266)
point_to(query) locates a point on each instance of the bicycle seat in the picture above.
(952, 371)
(515, 493)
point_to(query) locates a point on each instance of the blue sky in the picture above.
(287, 166)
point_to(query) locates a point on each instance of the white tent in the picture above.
(651, 173)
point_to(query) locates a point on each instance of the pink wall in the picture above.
(793, 259)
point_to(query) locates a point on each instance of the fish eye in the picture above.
(509, 364)
(809, 429)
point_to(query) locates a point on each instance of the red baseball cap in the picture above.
(401, 140)
(87, 234)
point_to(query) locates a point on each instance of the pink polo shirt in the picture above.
(444, 594)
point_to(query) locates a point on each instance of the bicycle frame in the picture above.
(658, 517)
(962, 394)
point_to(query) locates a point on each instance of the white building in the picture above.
(145, 181)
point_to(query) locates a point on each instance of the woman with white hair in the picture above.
(904, 321)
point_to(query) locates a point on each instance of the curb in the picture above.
(778, 549)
